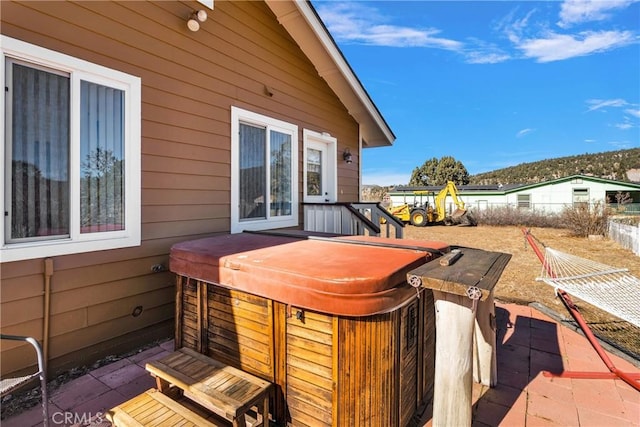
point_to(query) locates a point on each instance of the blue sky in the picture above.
(493, 83)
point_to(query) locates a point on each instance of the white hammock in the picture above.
(608, 288)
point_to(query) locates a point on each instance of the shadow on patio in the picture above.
(529, 343)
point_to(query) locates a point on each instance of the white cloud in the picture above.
(596, 104)
(514, 28)
(578, 11)
(627, 123)
(590, 141)
(486, 57)
(620, 145)
(482, 52)
(623, 126)
(556, 47)
(536, 40)
(523, 132)
(357, 23)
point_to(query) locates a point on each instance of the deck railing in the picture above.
(352, 219)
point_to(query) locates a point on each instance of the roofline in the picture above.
(577, 176)
(462, 190)
(302, 22)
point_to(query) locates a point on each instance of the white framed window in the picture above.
(264, 172)
(71, 154)
(580, 197)
(319, 163)
(524, 201)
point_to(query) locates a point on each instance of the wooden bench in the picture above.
(154, 408)
(222, 389)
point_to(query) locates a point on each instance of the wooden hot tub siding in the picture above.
(329, 370)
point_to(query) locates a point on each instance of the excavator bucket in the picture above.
(458, 213)
(461, 217)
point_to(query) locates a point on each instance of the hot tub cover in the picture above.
(330, 275)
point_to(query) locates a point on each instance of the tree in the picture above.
(424, 174)
(102, 190)
(99, 163)
(438, 172)
(623, 198)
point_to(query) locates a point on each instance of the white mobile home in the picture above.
(548, 196)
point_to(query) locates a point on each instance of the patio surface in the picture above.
(529, 342)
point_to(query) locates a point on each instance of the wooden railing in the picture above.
(352, 219)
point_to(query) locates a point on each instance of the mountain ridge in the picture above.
(619, 165)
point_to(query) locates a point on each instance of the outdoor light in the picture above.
(195, 18)
(347, 156)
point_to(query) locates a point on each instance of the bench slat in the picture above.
(223, 389)
(153, 407)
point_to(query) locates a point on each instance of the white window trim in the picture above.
(240, 115)
(582, 193)
(329, 146)
(526, 204)
(79, 69)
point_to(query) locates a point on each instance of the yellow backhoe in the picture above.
(461, 216)
(414, 215)
(422, 212)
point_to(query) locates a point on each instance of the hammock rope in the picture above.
(608, 288)
(611, 293)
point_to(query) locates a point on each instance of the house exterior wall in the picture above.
(550, 196)
(240, 57)
(554, 196)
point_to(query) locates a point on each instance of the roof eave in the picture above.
(303, 24)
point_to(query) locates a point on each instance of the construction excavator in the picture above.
(426, 212)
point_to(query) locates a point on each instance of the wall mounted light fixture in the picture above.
(347, 156)
(195, 19)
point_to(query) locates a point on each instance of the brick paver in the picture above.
(529, 343)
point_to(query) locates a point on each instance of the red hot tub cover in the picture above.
(328, 275)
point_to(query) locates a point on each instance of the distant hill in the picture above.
(621, 165)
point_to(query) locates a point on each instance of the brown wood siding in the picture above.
(240, 331)
(189, 83)
(368, 389)
(233, 327)
(327, 370)
(408, 361)
(309, 355)
(428, 347)
(187, 312)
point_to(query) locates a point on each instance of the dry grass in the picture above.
(518, 283)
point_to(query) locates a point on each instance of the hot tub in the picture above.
(331, 321)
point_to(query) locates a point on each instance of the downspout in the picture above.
(48, 272)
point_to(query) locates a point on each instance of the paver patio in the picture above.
(529, 342)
